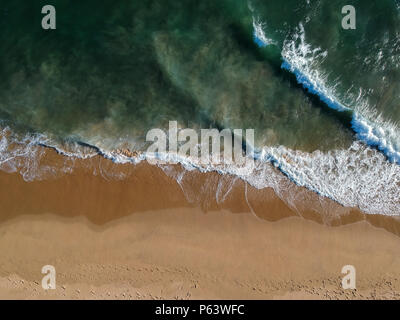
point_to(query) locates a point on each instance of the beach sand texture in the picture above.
(139, 238)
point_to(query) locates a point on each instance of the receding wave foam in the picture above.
(358, 177)
(22, 154)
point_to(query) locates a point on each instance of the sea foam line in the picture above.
(358, 177)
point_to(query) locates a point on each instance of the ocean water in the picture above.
(323, 101)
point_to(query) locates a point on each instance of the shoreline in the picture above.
(88, 191)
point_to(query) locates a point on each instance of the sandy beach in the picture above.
(140, 238)
(217, 150)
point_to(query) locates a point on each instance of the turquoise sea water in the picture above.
(323, 101)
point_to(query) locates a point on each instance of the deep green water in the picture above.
(114, 69)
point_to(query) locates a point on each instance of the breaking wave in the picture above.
(302, 60)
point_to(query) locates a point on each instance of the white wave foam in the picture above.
(358, 177)
(303, 61)
(259, 36)
(24, 154)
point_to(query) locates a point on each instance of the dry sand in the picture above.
(139, 238)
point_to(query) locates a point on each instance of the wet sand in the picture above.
(146, 237)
